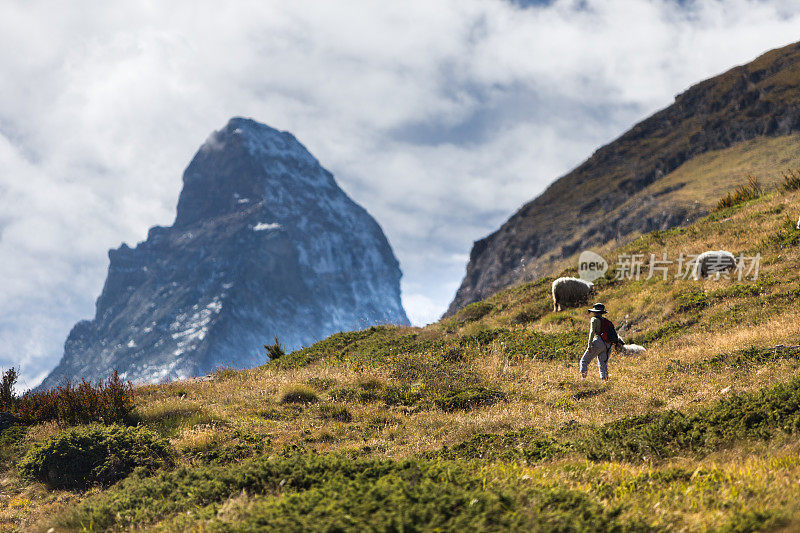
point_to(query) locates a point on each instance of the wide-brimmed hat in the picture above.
(598, 308)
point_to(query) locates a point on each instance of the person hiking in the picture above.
(602, 336)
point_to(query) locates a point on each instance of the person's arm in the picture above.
(594, 328)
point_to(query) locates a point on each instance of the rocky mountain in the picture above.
(264, 243)
(629, 186)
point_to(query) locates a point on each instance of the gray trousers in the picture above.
(598, 349)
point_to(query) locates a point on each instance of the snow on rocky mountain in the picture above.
(264, 243)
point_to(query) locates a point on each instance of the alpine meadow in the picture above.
(480, 421)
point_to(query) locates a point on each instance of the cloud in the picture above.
(441, 118)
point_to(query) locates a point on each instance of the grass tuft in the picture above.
(299, 394)
(742, 194)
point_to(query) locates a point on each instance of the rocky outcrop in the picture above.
(264, 243)
(595, 202)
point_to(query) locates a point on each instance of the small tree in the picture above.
(275, 351)
(7, 389)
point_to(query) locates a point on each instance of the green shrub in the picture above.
(758, 415)
(692, 299)
(742, 194)
(335, 412)
(787, 235)
(275, 350)
(333, 492)
(526, 445)
(474, 311)
(299, 394)
(791, 180)
(668, 330)
(170, 419)
(7, 395)
(402, 394)
(737, 290)
(79, 457)
(468, 399)
(530, 312)
(10, 440)
(746, 358)
(322, 384)
(343, 394)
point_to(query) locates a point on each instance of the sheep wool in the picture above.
(713, 262)
(633, 349)
(570, 292)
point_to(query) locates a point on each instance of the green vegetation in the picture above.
(467, 399)
(481, 421)
(275, 350)
(299, 394)
(79, 457)
(787, 235)
(474, 311)
(791, 180)
(656, 436)
(108, 402)
(742, 194)
(308, 491)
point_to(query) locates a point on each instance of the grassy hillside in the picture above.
(481, 420)
(626, 187)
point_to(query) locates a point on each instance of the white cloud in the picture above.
(441, 118)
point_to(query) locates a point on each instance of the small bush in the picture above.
(329, 492)
(402, 394)
(7, 388)
(299, 394)
(343, 394)
(742, 194)
(474, 311)
(335, 412)
(468, 399)
(526, 445)
(787, 235)
(322, 384)
(83, 456)
(757, 415)
(109, 402)
(691, 300)
(171, 417)
(791, 180)
(530, 312)
(275, 350)
(10, 439)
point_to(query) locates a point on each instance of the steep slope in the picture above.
(481, 421)
(615, 194)
(264, 243)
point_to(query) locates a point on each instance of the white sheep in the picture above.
(571, 292)
(633, 349)
(713, 262)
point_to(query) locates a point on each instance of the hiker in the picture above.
(602, 336)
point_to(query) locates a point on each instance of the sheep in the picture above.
(633, 349)
(571, 292)
(713, 262)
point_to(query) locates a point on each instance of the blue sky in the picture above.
(440, 118)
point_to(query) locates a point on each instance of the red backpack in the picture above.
(607, 331)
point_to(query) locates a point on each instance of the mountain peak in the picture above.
(264, 243)
(245, 163)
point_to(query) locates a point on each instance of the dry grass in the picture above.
(245, 409)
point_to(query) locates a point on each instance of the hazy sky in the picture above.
(440, 117)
